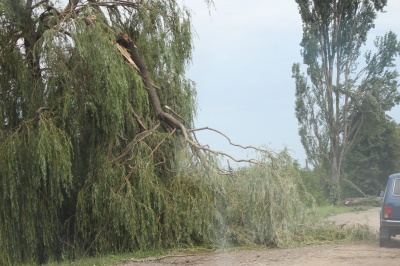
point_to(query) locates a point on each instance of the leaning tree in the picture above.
(95, 120)
(97, 146)
(339, 97)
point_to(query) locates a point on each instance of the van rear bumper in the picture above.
(389, 228)
(390, 223)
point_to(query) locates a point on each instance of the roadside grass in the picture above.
(330, 210)
(322, 232)
(316, 231)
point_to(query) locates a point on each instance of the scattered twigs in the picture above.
(162, 258)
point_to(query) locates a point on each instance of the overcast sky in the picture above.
(244, 52)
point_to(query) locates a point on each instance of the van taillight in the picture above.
(387, 212)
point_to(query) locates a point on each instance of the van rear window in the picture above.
(396, 187)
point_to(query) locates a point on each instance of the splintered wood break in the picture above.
(127, 56)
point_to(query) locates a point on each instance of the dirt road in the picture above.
(366, 254)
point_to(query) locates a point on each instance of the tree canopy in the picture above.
(369, 164)
(83, 130)
(339, 97)
(97, 150)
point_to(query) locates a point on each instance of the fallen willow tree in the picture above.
(97, 147)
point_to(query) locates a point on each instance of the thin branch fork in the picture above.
(229, 140)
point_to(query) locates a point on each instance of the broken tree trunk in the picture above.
(170, 120)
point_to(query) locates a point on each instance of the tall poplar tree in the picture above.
(339, 96)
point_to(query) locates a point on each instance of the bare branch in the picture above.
(115, 4)
(229, 140)
(41, 109)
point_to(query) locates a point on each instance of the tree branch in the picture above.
(229, 140)
(129, 51)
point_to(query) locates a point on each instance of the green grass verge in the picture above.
(316, 231)
(330, 210)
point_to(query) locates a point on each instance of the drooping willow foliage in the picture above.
(86, 168)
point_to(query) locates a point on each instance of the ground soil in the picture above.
(366, 254)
